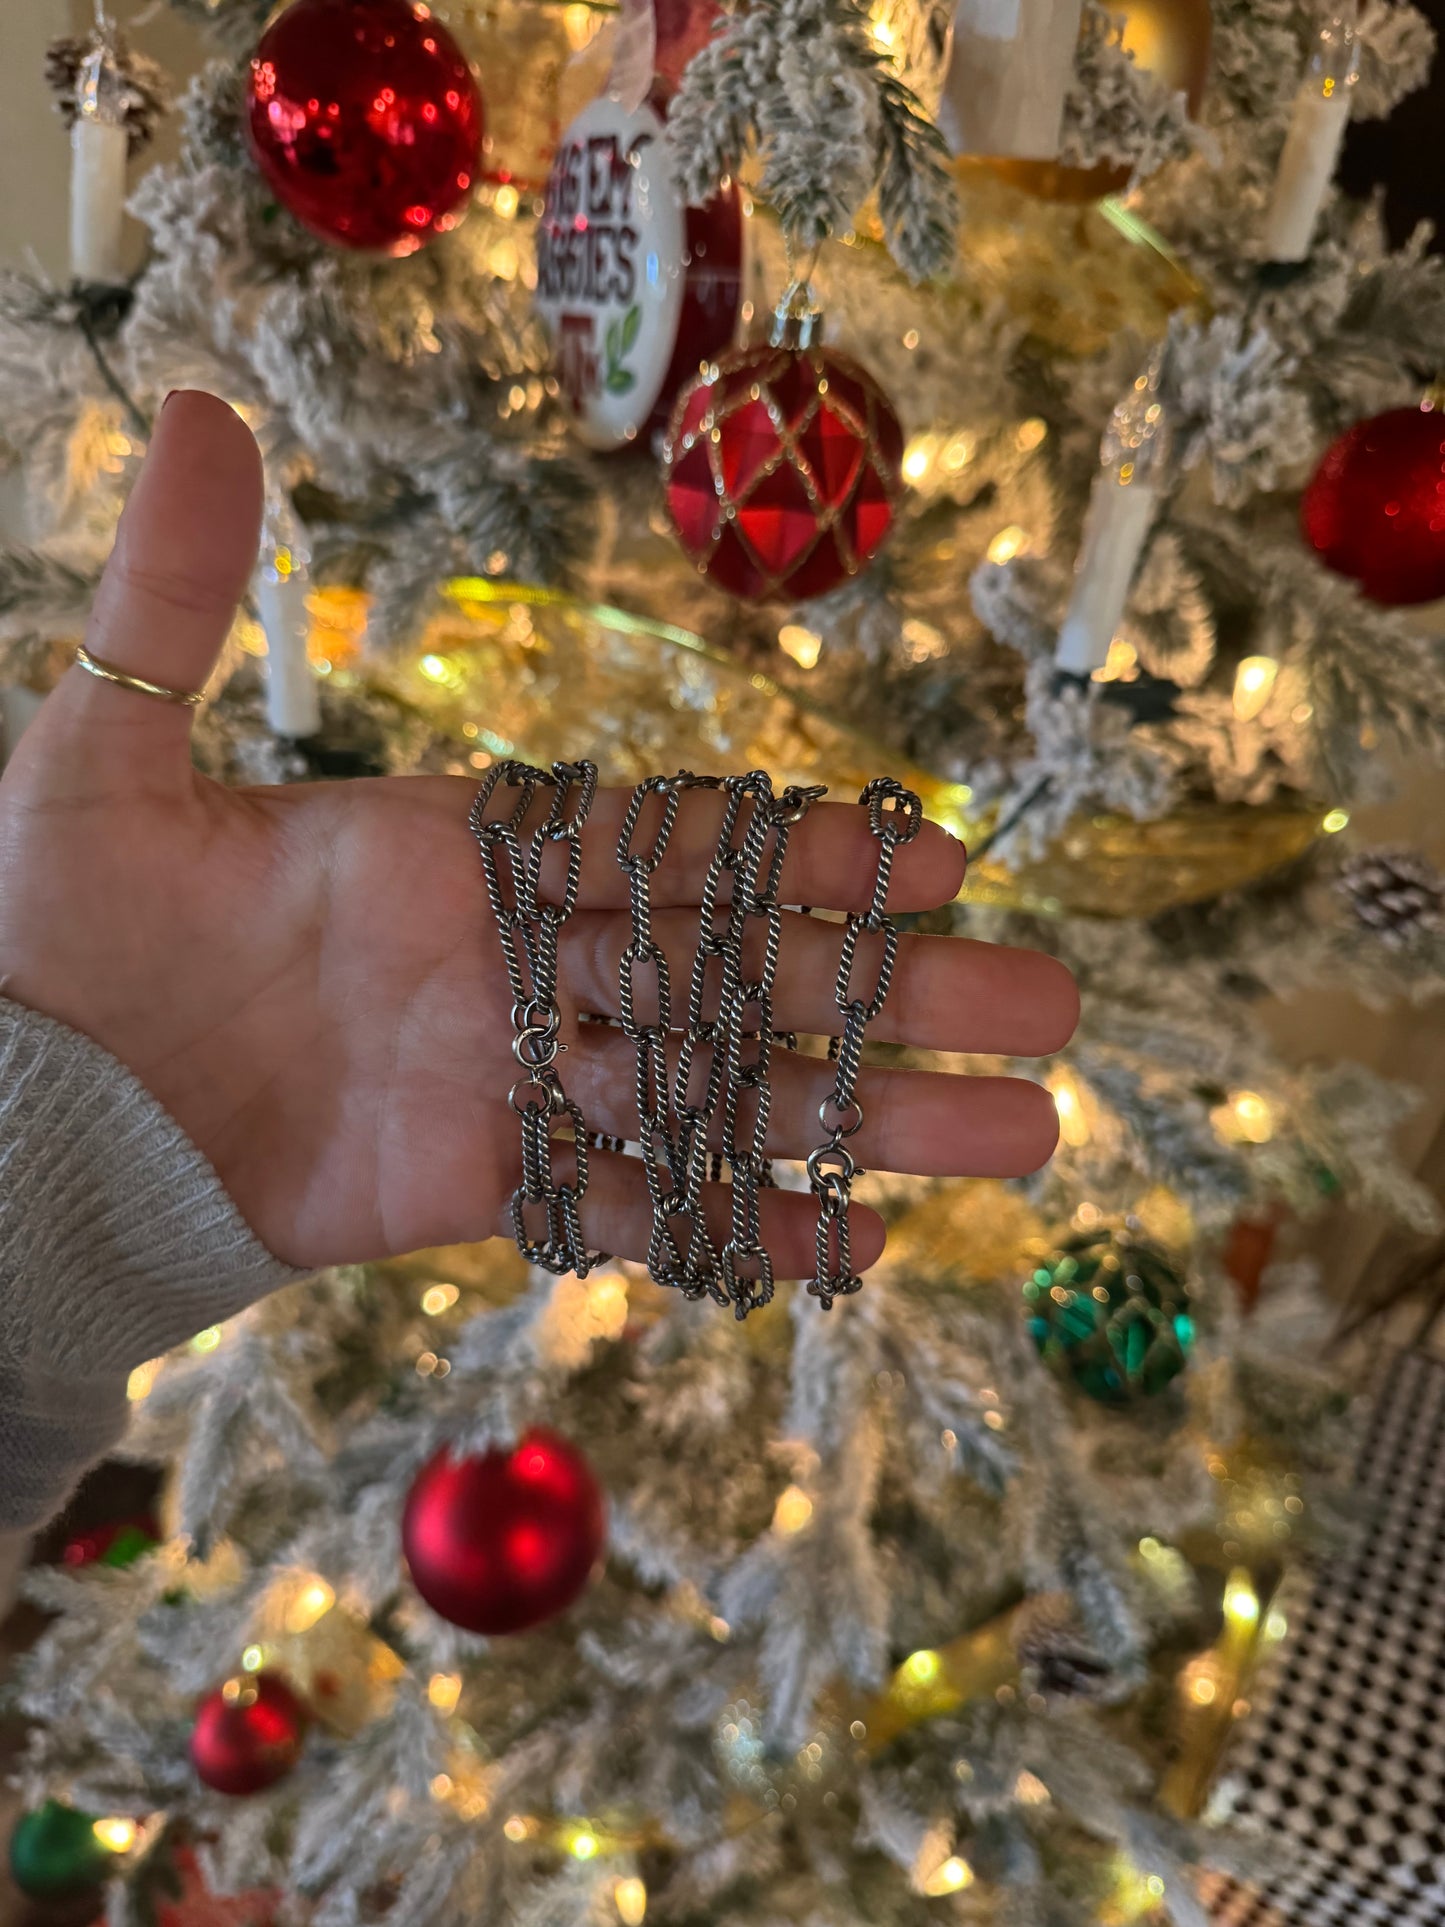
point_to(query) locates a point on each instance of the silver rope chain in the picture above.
(832, 1166)
(536, 1021)
(723, 1061)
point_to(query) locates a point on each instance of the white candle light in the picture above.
(1008, 68)
(1312, 146)
(99, 144)
(1122, 505)
(293, 698)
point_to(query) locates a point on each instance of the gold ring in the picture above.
(107, 671)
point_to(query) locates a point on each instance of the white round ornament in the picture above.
(636, 290)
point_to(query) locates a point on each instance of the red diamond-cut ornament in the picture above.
(693, 498)
(848, 395)
(834, 453)
(824, 569)
(778, 521)
(793, 384)
(809, 487)
(700, 399)
(732, 568)
(748, 444)
(872, 513)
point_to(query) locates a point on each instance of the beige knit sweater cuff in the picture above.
(117, 1241)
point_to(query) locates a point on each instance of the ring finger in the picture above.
(929, 1123)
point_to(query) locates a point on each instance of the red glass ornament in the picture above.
(248, 1734)
(1375, 507)
(365, 120)
(499, 1542)
(783, 468)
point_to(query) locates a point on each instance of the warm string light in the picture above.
(444, 1690)
(1073, 1124)
(1254, 682)
(792, 1511)
(116, 1834)
(1007, 544)
(309, 1604)
(629, 1897)
(801, 644)
(138, 1385)
(950, 1877)
(1120, 663)
(1244, 1118)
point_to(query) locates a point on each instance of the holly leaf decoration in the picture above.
(631, 328)
(620, 381)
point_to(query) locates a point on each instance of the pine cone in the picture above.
(1396, 893)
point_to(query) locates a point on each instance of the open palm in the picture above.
(308, 979)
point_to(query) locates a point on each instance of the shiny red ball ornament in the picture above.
(1375, 507)
(248, 1734)
(365, 120)
(783, 468)
(501, 1541)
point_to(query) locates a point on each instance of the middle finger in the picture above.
(948, 993)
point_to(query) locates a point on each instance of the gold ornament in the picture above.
(936, 1679)
(1103, 865)
(1168, 38)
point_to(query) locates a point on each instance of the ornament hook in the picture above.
(797, 319)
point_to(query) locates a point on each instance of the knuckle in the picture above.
(175, 590)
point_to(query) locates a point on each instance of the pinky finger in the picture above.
(616, 1216)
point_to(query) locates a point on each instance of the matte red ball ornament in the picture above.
(502, 1541)
(1375, 507)
(783, 468)
(365, 120)
(248, 1734)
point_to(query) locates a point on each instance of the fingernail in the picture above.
(169, 399)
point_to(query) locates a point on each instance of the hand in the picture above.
(309, 981)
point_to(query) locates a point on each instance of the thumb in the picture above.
(183, 553)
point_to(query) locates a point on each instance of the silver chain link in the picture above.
(832, 1167)
(529, 932)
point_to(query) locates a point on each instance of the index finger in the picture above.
(831, 861)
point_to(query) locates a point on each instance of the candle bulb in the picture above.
(1122, 504)
(293, 699)
(1312, 146)
(99, 145)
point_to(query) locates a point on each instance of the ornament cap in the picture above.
(797, 319)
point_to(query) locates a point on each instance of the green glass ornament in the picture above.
(1110, 1313)
(54, 1854)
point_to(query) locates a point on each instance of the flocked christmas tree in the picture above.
(940, 1604)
